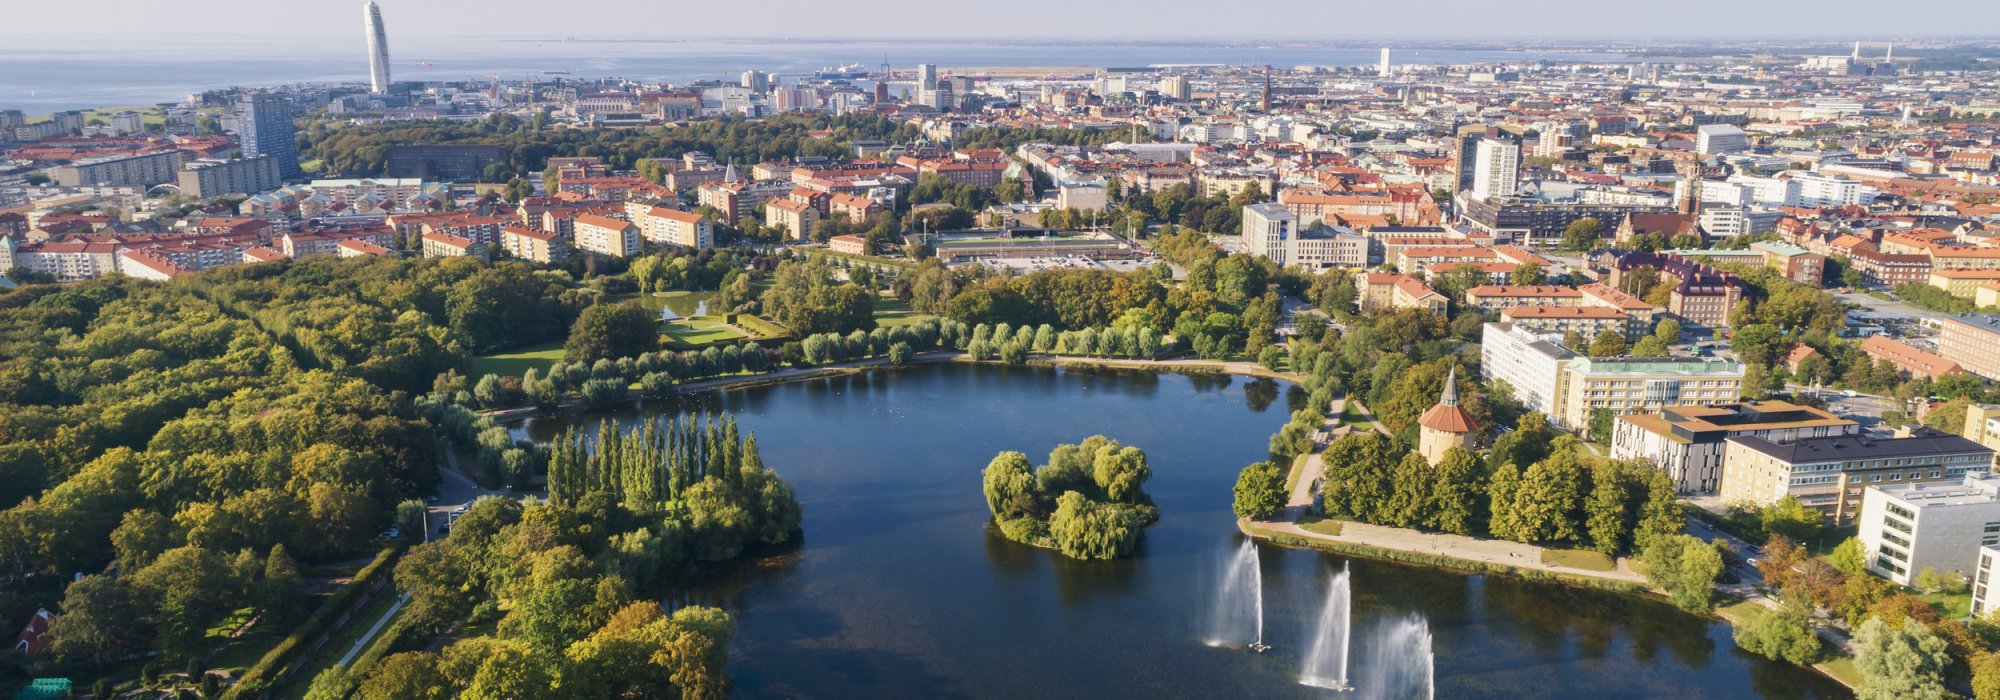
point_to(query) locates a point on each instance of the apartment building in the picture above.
(1972, 341)
(1384, 290)
(1911, 360)
(532, 244)
(445, 245)
(1691, 442)
(1908, 527)
(1529, 362)
(606, 236)
(675, 227)
(1497, 297)
(204, 179)
(1587, 321)
(796, 218)
(130, 170)
(1829, 473)
(1640, 385)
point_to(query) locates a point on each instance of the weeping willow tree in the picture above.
(698, 479)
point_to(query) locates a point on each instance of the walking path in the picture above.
(361, 643)
(1497, 552)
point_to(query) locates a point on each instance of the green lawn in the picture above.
(517, 362)
(1951, 606)
(1292, 476)
(1349, 416)
(1741, 612)
(1319, 525)
(700, 331)
(891, 312)
(1579, 559)
(1843, 669)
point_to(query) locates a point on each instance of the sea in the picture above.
(39, 75)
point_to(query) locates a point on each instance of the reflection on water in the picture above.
(900, 590)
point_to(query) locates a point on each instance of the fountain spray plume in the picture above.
(1239, 603)
(1401, 662)
(1328, 651)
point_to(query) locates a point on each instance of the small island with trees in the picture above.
(1086, 502)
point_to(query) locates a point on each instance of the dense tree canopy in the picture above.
(1086, 501)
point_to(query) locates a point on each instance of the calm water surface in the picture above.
(899, 591)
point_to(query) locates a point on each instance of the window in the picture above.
(1890, 536)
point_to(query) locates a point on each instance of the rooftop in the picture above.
(1849, 448)
(1977, 488)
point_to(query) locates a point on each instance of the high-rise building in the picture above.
(1718, 139)
(757, 81)
(378, 49)
(1497, 169)
(1175, 87)
(264, 127)
(1382, 71)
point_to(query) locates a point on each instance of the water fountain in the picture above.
(1400, 663)
(1326, 654)
(1239, 604)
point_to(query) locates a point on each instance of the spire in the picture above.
(1450, 397)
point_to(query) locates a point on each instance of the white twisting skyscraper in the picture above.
(378, 49)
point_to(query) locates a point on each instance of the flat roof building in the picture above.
(1942, 525)
(1640, 385)
(1829, 473)
(1691, 442)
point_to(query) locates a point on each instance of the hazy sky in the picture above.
(1108, 19)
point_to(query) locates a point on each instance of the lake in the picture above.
(899, 591)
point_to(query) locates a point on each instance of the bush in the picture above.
(1260, 491)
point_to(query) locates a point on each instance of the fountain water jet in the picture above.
(1400, 664)
(1327, 654)
(1239, 603)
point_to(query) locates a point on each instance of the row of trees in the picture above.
(1087, 501)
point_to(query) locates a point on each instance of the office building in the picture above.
(203, 179)
(1641, 385)
(1175, 87)
(1719, 139)
(1972, 341)
(1382, 70)
(1985, 595)
(1691, 442)
(449, 162)
(1829, 473)
(1941, 525)
(756, 81)
(141, 170)
(264, 127)
(1497, 169)
(378, 48)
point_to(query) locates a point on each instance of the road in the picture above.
(1866, 409)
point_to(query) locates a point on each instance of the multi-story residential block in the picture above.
(264, 127)
(675, 227)
(1691, 442)
(797, 219)
(1972, 341)
(1586, 321)
(205, 179)
(1701, 294)
(445, 245)
(1795, 263)
(1829, 473)
(1272, 231)
(1962, 283)
(1912, 360)
(606, 236)
(134, 170)
(532, 244)
(1496, 297)
(1644, 316)
(1497, 171)
(1641, 385)
(1384, 290)
(1941, 525)
(1529, 362)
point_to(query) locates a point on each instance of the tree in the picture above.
(1086, 529)
(1410, 492)
(1985, 676)
(1686, 568)
(1455, 490)
(1668, 331)
(1260, 491)
(1785, 634)
(1660, 516)
(806, 299)
(1530, 273)
(411, 674)
(1791, 518)
(1607, 344)
(1583, 234)
(612, 331)
(1606, 518)
(1846, 557)
(1010, 486)
(1601, 422)
(1903, 662)
(1549, 498)
(1649, 346)
(98, 621)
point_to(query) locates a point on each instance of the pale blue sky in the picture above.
(1107, 19)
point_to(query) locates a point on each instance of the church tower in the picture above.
(1446, 425)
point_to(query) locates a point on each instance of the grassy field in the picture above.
(1842, 669)
(517, 362)
(1292, 475)
(1579, 559)
(891, 312)
(1319, 525)
(700, 331)
(1951, 606)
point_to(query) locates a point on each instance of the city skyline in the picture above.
(1448, 19)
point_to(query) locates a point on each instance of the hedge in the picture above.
(277, 661)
